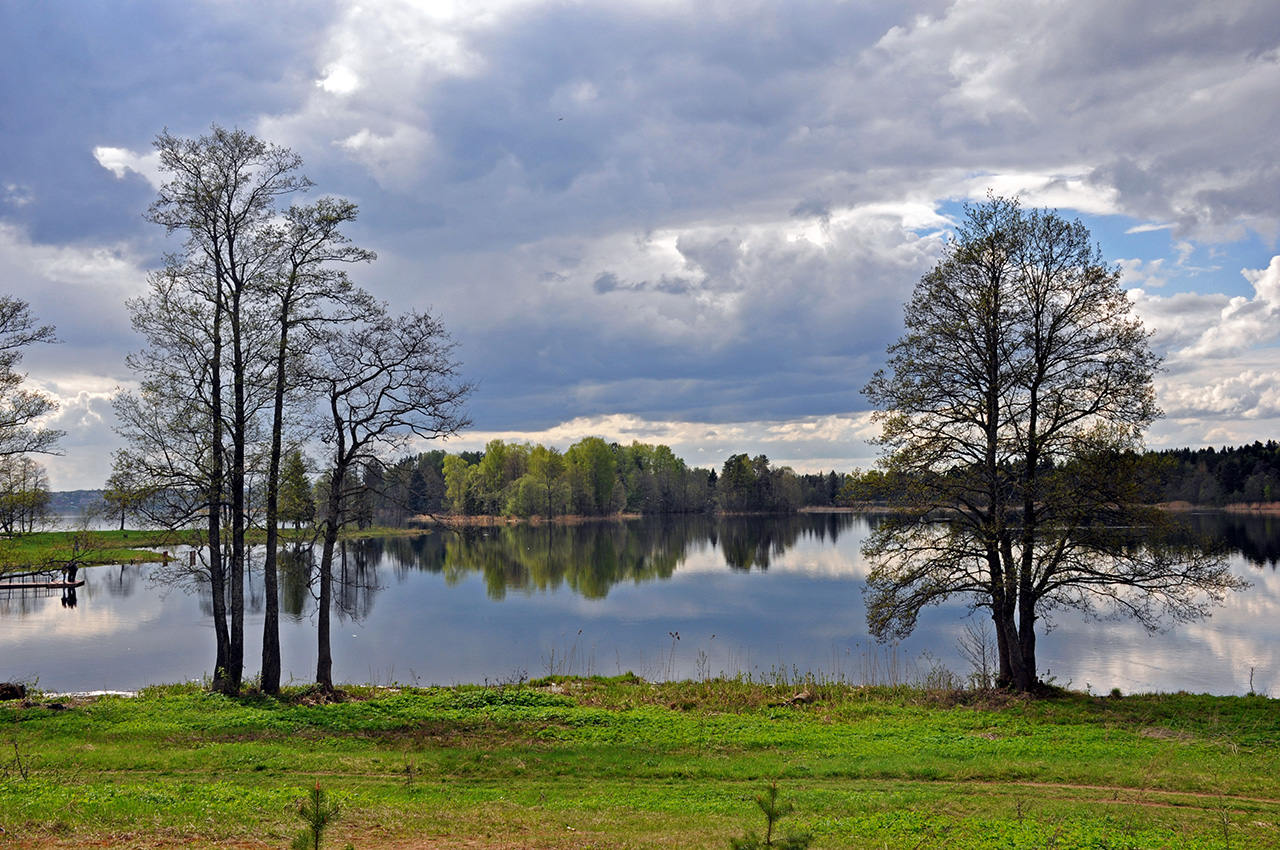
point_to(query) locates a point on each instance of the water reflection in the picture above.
(746, 594)
(1255, 536)
(591, 558)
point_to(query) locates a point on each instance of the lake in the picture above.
(666, 597)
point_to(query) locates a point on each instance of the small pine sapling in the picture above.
(774, 811)
(317, 811)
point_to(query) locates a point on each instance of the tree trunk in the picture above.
(324, 649)
(237, 496)
(1024, 677)
(271, 617)
(217, 573)
(332, 522)
(999, 617)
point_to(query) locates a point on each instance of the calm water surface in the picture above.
(744, 595)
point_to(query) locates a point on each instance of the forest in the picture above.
(1206, 477)
(594, 477)
(591, 478)
(1216, 477)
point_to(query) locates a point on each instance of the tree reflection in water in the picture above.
(774, 590)
(592, 557)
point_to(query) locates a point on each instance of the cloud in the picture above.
(1223, 380)
(1138, 273)
(671, 211)
(1072, 189)
(80, 289)
(1244, 323)
(120, 162)
(17, 196)
(809, 444)
(389, 158)
(339, 80)
(773, 318)
(1166, 118)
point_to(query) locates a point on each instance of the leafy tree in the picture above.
(1011, 412)
(127, 494)
(543, 490)
(737, 484)
(22, 409)
(24, 494)
(461, 485)
(1211, 476)
(595, 469)
(297, 504)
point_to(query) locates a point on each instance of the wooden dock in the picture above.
(41, 585)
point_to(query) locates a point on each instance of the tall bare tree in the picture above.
(1012, 413)
(305, 282)
(381, 381)
(206, 327)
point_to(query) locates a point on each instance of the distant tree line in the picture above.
(1222, 476)
(1210, 477)
(592, 478)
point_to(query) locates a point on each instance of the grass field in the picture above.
(622, 763)
(47, 549)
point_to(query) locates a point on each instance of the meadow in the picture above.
(624, 763)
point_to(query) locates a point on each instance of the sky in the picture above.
(690, 223)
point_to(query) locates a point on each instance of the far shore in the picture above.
(54, 549)
(1268, 508)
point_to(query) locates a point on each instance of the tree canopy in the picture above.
(21, 408)
(1012, 412)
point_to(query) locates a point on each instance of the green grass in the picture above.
(623, 763)
(88, 548)
(44, 549)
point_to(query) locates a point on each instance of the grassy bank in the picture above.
(623, 763)
(45, 549)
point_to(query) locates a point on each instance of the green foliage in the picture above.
(317, 811)
(630, 763)
(773, 811)
(1222, 476)
(473, 698)
(297, 501)
(24, 495)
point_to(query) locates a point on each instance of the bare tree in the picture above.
(173, 427)
(309, 244)
(380, 381)
(22, 409)
(221, 193)
(1012, 412)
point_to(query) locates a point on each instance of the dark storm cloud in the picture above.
(662, 210)
(74, 75)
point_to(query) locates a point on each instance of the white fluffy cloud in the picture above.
(1198, 328)
(794, 443)
(674, 212)
(121, 161)
(1223, 380)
